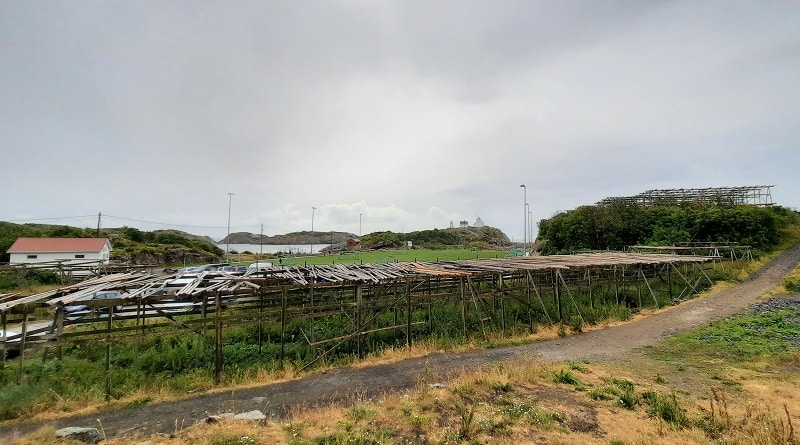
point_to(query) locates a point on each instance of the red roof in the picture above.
(27, 245)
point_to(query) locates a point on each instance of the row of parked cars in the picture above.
(184, 276)
(227, 268)
(218, 267)
(77, 308)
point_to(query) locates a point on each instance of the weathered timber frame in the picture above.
(395, 300)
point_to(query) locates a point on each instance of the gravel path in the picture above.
(348, 384)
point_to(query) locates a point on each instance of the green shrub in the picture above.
(565, 377)
(666, 407)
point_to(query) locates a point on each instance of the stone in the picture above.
(88, 435)
(251, 415)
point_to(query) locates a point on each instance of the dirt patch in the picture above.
(353, 384)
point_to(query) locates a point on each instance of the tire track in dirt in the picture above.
(349, 384)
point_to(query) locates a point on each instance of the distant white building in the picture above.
(479, 222)
(65, 250)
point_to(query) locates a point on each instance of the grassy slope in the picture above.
(750, 396)
(696, 388)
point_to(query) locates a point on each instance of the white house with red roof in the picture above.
(65, 250)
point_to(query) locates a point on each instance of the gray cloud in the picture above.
(409, 113)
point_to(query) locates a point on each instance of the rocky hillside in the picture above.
(306, 237)
(480, 237)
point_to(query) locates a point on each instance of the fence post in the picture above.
(283, 325)
(463, 306)
(108, 352)
(218, 338)
(359, 291)
(408, 318)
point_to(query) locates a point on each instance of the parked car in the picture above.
(261, 266)
(77, 308)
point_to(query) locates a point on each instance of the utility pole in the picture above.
(312, 229)
(227, 238)
(525, 214)
(97, 234)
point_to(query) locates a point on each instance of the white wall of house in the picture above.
(66, 257)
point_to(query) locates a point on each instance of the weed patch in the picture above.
(667, 408)
(566, 378)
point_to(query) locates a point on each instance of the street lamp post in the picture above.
(312, 229)
(227, 237)
(359, 224)
(525, 214)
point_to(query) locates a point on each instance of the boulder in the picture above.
(255, 415)
(88, 435)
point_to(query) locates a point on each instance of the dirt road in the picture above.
(351, 384)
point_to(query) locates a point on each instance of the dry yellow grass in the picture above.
(475, 407)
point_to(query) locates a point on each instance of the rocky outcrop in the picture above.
(168, 256)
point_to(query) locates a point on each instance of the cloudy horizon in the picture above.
(395, 115)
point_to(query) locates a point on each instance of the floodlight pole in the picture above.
(525, 214)
(359, 224)
(530, 226)
(227, 237)
(527, 221)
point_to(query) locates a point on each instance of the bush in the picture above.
(667, 408)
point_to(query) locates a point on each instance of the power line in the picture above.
(122, 218)
(169, 224)
(49, 219)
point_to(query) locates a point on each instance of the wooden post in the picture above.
(4, 322)
(528, 280)
(203, 316)
(408, 319)
(22, 339)
(108, 353)
(669, 280)
(639, 292)
(463, 306)
(359, 290)
(647, 283)
(396, 317)
(218, 338)
(502, 313)
(557, 295)
(591, 297)
(260, 317)
(283, 324)
(59, 330)
(312, 311)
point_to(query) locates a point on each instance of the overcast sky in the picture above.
(409, 113)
